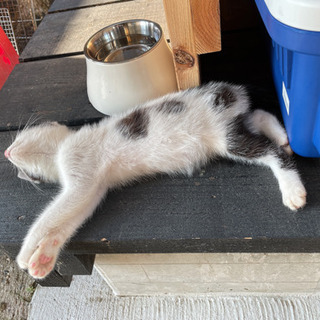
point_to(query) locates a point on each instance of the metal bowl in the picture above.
(123, 41)
(128, 63)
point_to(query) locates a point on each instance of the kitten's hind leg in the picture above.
(264, 122)
(293, 191)
(255, 148)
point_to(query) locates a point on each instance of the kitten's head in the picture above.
(34, 150)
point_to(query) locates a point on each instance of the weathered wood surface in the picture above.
(52, 90)
(55, 279)
(227, 207)
(194, 29)
(67, 32)
(61, 5)
(180, 23)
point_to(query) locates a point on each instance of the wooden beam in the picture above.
(179, 21)
(206, 25)
(55, 279)
(194, 28)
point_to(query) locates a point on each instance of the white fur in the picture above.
(268, 124)
(90, 161)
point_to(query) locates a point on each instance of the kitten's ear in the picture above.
(22, 175)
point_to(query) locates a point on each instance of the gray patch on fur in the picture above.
(172, 106)
(225, 96)
(135, 125)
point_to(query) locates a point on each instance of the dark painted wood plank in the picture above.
(86, 261)
(53, 89)
(55, 279)
(67, 32)
(70, 264)
(219, 209)
(19, 202)
(61, 5)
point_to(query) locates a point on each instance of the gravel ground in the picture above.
(16, 290)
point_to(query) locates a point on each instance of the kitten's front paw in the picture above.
(40, 260)
(296, 198)
(44, 258)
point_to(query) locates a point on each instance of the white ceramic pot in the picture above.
(128, 63)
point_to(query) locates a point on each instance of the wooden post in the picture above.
(194, 28)
(206, 25)
(179, 20)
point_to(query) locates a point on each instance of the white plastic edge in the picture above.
(300, 14)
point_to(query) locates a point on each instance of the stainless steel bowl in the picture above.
(123, 41)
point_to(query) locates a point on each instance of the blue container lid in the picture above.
(292, 38)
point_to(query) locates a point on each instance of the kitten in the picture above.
(172, 134)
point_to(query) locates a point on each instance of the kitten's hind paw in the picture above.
(296, 199)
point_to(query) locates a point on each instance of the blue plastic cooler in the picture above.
(294, 27)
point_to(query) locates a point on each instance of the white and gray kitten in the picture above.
(172, 134)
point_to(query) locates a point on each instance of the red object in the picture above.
(8, 57)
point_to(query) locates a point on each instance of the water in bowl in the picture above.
(125, 48)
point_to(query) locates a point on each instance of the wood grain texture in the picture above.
(67, 32)
(61, 5)
(180, 24)
(52, 90)
(206, 25)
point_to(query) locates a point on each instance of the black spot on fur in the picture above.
(172, 106)
(225, 96)
(135, 125)
(246, 144)
(286, 160)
